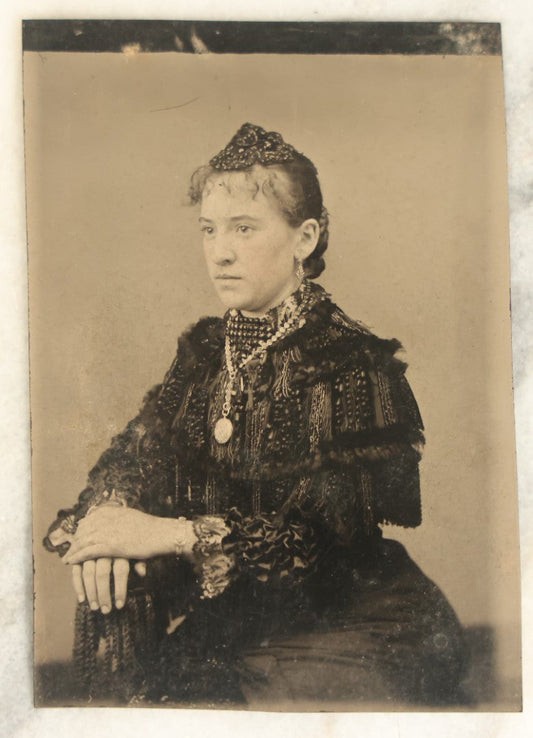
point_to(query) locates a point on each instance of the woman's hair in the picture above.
(277, 170)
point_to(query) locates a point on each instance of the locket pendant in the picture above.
(223, 430)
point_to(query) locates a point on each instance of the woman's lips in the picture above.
(227, 281)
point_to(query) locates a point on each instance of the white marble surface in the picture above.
(17, 716)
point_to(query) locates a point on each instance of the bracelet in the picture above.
(180, 542)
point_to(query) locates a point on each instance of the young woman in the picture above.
(249, 490)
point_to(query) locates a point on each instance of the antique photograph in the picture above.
(271, 391)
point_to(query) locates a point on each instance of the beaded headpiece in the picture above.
(253, 145)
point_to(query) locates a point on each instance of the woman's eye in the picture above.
(207, 230)
(243, 228)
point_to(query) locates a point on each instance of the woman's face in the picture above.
(249, 247)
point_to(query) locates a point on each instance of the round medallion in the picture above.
(223, 430)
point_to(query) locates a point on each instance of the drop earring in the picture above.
(300, 274)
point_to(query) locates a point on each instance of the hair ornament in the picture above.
(253, 145)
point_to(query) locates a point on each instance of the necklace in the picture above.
(224, 427)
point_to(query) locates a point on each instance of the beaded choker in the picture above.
(289, 323)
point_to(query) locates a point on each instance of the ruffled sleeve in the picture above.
(266, 548)
(123, 475)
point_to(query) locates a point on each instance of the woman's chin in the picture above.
(245, 306)
(232, 304)
(231, 299)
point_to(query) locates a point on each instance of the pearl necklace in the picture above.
(224, 427)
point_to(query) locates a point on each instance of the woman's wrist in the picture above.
(175, 536)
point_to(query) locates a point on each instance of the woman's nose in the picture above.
(222, 251)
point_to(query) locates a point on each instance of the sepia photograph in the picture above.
(273, 451)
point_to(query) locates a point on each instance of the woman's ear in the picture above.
(309, 232)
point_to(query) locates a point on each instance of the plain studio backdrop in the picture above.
(411, 156)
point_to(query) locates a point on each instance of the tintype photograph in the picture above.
(271, 391)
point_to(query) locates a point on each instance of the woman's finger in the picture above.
(103, 584)
(140, 568)
(121, 569)
(77, 582)
(88, 551)
(78, 542)
(89, 582)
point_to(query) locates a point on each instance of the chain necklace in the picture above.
(224, 427)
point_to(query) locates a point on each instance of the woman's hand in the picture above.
(111, 532)
(92, 581)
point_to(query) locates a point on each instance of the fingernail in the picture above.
(106, 609)
(119, 604)
(94, 605)
(81, 598)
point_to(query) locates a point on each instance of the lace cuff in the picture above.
(60, 533)
(215, 568)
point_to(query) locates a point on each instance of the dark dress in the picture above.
(295, 598)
